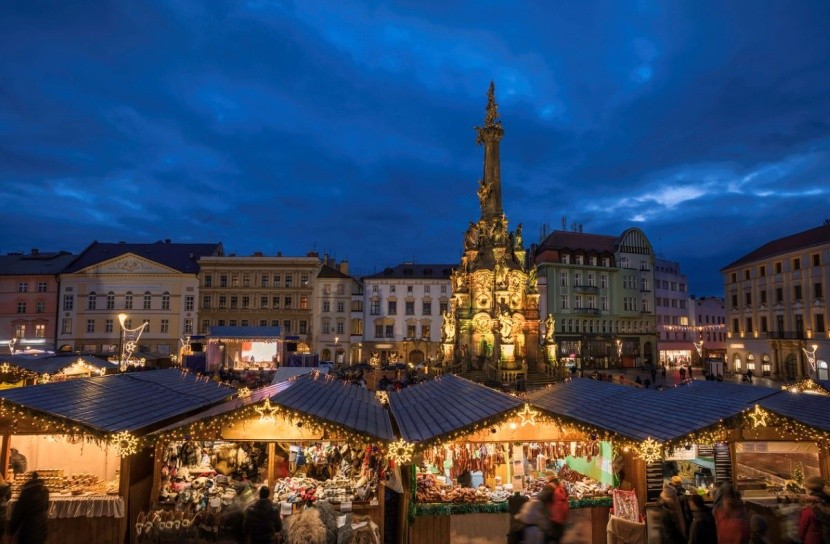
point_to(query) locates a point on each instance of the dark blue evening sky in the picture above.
(348, 127)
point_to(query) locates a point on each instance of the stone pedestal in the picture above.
(508, 355)
(448, 353)
(550, 354)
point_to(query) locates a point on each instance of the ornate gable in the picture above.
(128, 264)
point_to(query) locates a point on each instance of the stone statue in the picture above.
(374, 359)
(518, 242)
(550, 327)
(448, 326)
(471, 239)
(506, 325)
(532, 278)
(501, 274)
(483, 193)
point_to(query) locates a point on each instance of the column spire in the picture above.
(489, 189)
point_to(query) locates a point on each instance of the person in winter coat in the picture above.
(262, 520)
(671, 519)
(31, 512)
(702, 530)
(758, 528)
(814, 523)
(533, 517)
(555, 498)
(732, 522)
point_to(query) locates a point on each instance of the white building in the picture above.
(671, 303)
(402, 312)
(333, 314)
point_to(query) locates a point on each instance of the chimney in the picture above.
(344, 267)
(279, 253)
(257, 254)
(35, 251)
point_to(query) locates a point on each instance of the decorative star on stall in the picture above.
(266, 411)
(759, 417)
(528, 415)
(124, 443)
(400, 451)
(243, 392)
(650, 450)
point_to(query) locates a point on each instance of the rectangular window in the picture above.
(304, 280)
(246, 280)
(188, 303)
(264, 322)
(763, 296)
(378, 331)
(341, 307)
(443, 289)
(223, 302)
(304, 302)
(564, 304)
(563, 279)
(148, 299)
(604, 303)
(749, 325)
(748, 298)
(391, 288)
(390, 331)
(246, 302)
(341, 289)
(275, 303)
(426, 308)
(340, 327)
(165, 326)
(566, 259)
(797, 292)
(206, 302)
(764, 323)
(286, 324)
(577, 279)
(264, 280)
(110, 301)
(778, 267)
(409, 308)
(374, 309)
(762, 270)
(66, 325)
(796, 264)
(735, 327)
(234, 280)
(326, 306)
(603, 281)
(734, 277)
(146, 323)
(411, 331)
(21, 307)
(746, 274)
(303, 326)
(277, 280)
(392, 307)
(234, 302)
(426, 288)
(816, 259)
(188, 326)
(442, 307)
(734, 300)
(220, 322)
(41, 285)
(208, 281)
(288, 303)
(22, 287)
(90, 325)
(819, 323)
(817, 291)
(289, 280)
(165, 301)
(409, 289)
(109, 325)
(263, 303)
(223, 281)
(779, 295)
(68, 303)
(205, 326)
(243, 323)
(40, 330)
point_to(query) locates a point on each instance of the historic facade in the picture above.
(777, 311)
(675, 334)
(600, 291)
(492, 323)
(333, 307)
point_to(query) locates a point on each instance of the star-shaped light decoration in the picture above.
(4, 368)
(650, 450)
(400, 451)
(759, 417)
(266, 411)
(383, 397)
(243, 392)
(528, 415)
(124, 443)
(44, 378)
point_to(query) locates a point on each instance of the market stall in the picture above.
(311, 439)
(243, 348)
(29, 369)
(82, 436)
(478, 450)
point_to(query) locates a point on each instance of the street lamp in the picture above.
(336, 357)
(129, 346)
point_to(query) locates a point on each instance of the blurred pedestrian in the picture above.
(671, 519)
(731, 520)
(703, 529)
(31, 512)
(758, 528)
(5, 495)
(262, 520)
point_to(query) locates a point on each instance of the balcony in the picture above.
(786, 335)
(586, 288)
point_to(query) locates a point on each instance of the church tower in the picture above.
(492, 323)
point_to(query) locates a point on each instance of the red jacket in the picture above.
(731, 530)
(559, 508)
(809, 527)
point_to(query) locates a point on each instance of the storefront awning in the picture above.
(444, 405)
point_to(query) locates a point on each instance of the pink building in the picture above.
(29, 298)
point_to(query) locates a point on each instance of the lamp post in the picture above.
(619, 352)
(336, 355)
(122, 364)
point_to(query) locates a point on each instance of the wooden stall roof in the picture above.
(642, 413)
(811, 410)
(52, 364)
(445, 404)
(338, 402)
(135, 401)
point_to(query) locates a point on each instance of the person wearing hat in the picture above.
(702, 530)
(672, 528)
(682, 500)
(814, 522)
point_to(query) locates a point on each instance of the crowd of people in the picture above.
(540, 520)
(686, 519)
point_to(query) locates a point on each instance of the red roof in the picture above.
(563, 239)
(808, 238)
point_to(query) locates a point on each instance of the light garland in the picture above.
(400, 451)
(124, 443)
